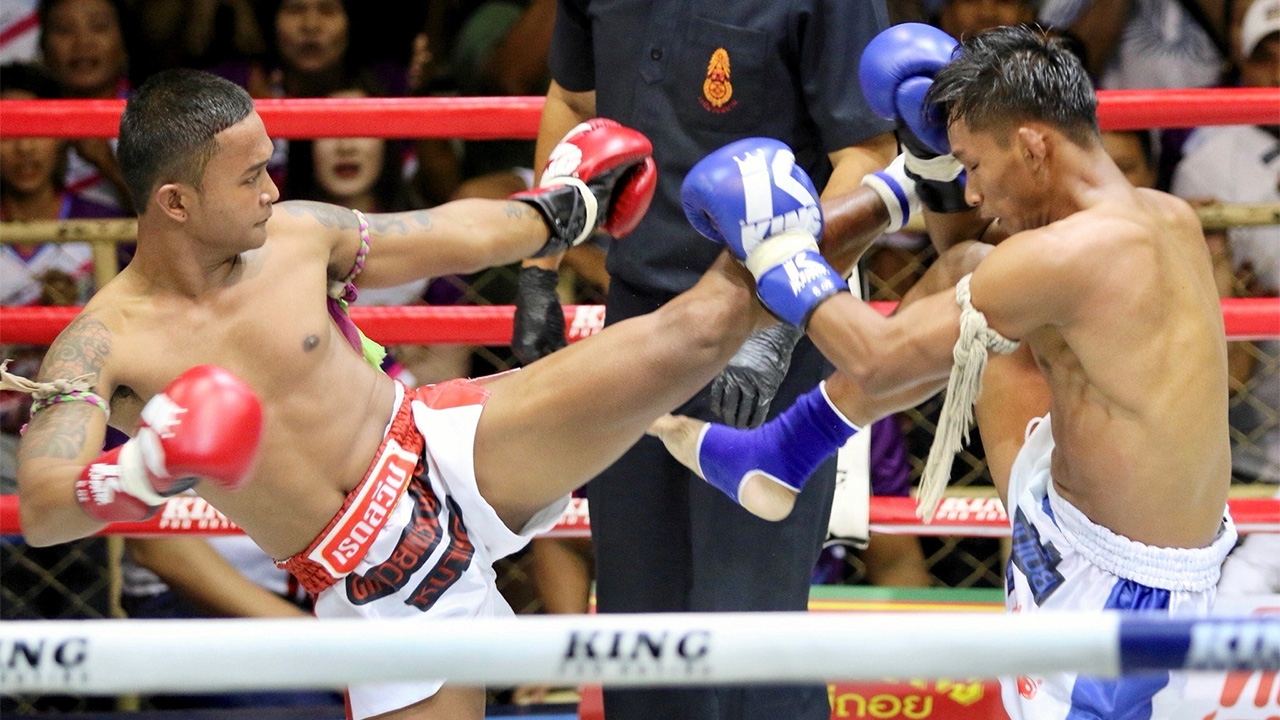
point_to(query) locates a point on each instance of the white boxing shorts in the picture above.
(431, 555)
(1061, 560)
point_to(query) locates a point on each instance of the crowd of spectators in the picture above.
(333, 48)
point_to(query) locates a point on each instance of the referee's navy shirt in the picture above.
(694, 75)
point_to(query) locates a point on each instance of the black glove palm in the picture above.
(742, 392)
(539, 321)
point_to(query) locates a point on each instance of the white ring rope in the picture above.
(114, 656)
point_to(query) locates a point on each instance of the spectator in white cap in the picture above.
(1260, 44)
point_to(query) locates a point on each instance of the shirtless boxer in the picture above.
(1119, 502)
(277, 412)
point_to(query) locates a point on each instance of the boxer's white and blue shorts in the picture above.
(1060, 560)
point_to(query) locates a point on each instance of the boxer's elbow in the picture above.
(39, 527)
(48, 513)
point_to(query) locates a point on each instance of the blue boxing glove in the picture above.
(750, 196)
(762, 469)
(896, 71)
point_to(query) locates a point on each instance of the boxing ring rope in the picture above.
(1245, 319)
(489, 118)
(106, 657)
(981, 516)
(104, 235)
(1214, 216)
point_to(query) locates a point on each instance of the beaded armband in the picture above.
(71, 396)
(345, 289)
(343, 292)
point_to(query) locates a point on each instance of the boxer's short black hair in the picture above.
(1008, 75)
(167, 132)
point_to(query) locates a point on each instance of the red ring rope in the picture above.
(1245, 318)
(488, 118)
(974, 517)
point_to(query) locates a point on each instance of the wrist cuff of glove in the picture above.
(897, 191)
(108, 488)
(939, 182)
(570, 210)
(943, 168)
(795, 287)
(133, 471)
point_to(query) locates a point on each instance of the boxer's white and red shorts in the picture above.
(415, 539)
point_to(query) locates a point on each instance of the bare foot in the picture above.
(760, 494)
(680, 434)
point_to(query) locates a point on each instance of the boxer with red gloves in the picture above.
(206, 425)
(355, 474)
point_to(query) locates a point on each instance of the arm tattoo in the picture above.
(60, 431)
(82, 348)
(519, 210)
(330, 216)
(398, 223)
(57, 432)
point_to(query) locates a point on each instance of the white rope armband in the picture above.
(963, 389)
(53, 392)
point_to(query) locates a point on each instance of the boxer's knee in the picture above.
(960, 260)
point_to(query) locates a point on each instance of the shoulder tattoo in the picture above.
(80, 349)
(61, 431)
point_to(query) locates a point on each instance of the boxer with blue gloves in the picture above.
(750, 197)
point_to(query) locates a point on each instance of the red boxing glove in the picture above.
(206, 425)
(600, 176)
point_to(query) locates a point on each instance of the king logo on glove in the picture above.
(104, 482)
(162, 414)
(808, 275)
(759, 177)
(565, 158)
(752, 197)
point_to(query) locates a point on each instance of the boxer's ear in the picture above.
(1034, 145)
(1034, 142)
(172, 201)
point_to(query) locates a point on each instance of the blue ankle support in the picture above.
(787, 449)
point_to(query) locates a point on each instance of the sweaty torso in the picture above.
(325, 407)
(1138, 379)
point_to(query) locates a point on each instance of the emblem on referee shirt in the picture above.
(717, 91)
